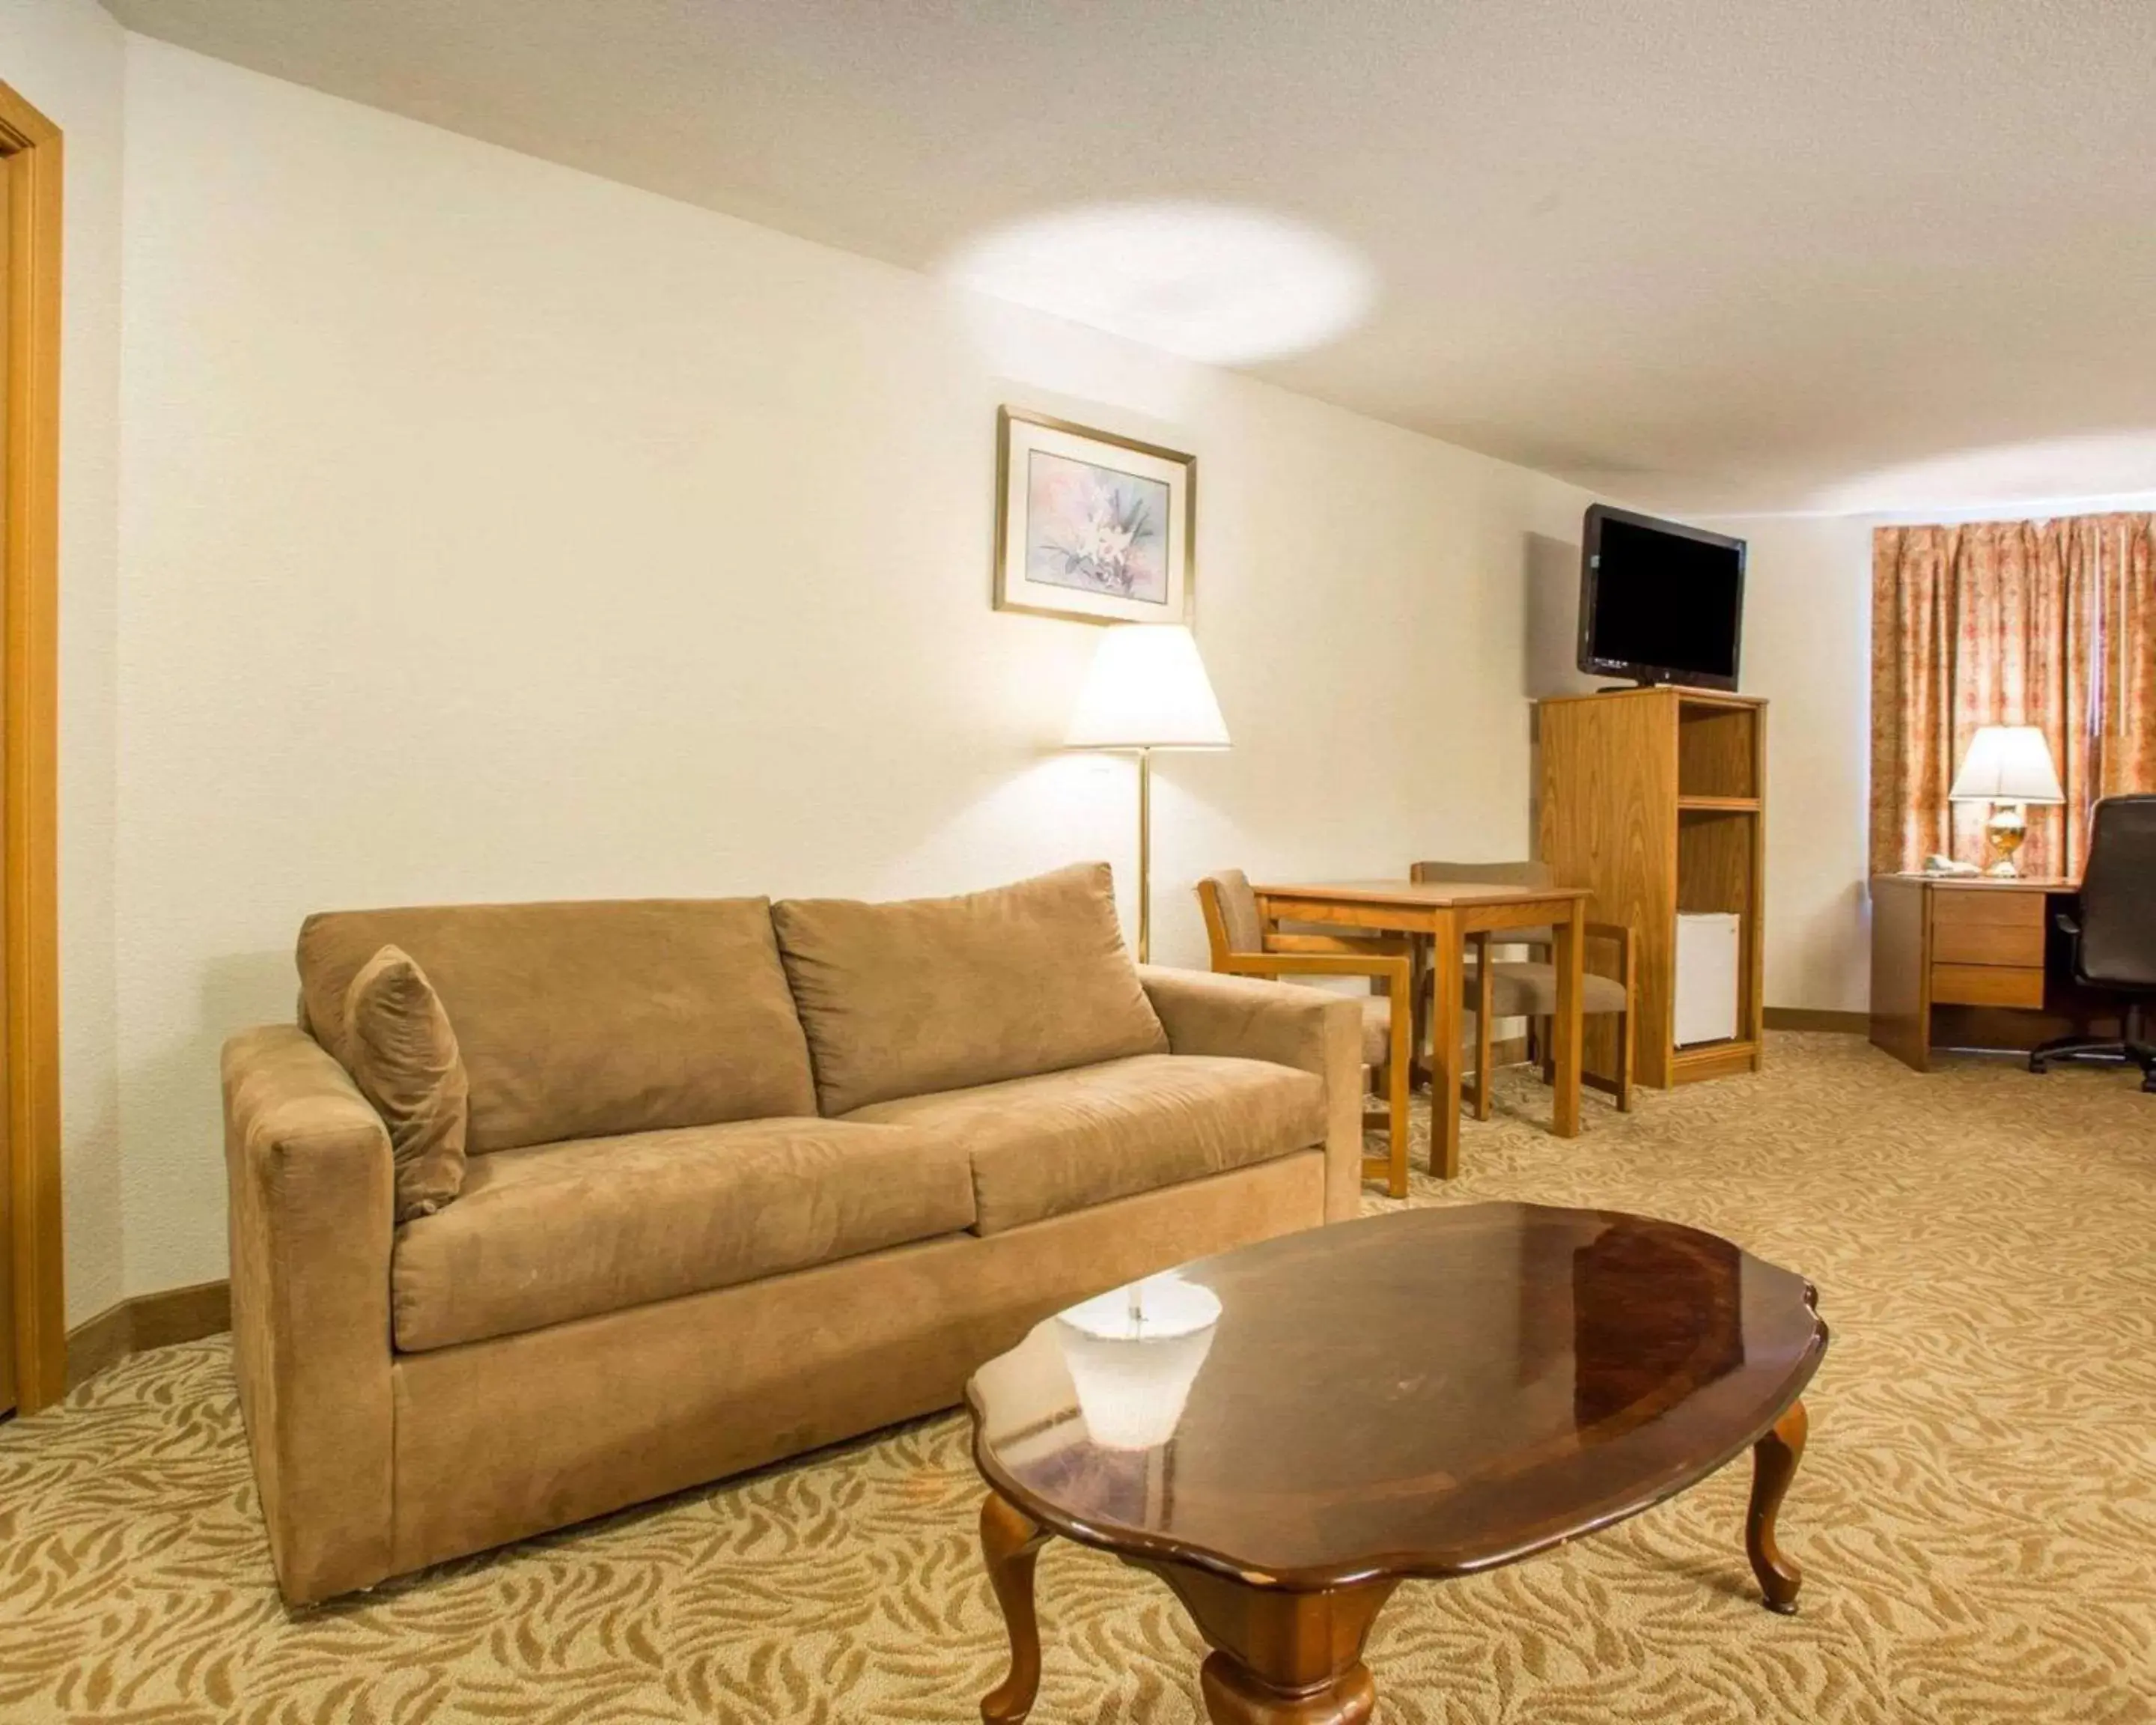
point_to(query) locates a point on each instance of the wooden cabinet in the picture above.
(1655, 800)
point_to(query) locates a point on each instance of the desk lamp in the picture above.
(2008, 766)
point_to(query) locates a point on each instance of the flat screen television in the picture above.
(1659, 602)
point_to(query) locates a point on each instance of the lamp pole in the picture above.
(1145, 856)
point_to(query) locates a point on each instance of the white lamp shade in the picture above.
(1147, 689)
(1133, 1354)
(2008, 764)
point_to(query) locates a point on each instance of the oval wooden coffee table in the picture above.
(1285, 1433)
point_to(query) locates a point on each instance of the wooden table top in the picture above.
(2024, 883)
(1426, 895)
(1526, 1374)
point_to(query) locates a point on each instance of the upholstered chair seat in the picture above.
(1377, 1028)
(1519, 989)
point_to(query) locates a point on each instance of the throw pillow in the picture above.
(405, 1061)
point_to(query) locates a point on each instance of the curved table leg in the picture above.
(1010, 1545)
(1280, 1658)
(1774, 1459)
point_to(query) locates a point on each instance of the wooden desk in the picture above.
(1449, 911)
(1966, 961)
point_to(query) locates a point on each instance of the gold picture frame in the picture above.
(1092, 527)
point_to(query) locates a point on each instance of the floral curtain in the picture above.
(2050, 624)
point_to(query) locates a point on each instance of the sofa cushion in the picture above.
(560, 1231)
(1060, 1142)
(582, 1020)
(406, 1063)
(934, 995)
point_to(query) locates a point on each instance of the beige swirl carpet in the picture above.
(1977, 1513)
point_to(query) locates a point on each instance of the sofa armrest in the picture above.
(312, 1216)
(1307, 1027)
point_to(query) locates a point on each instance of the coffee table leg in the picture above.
(1774, 1459)
(1010, 1545)
(1280, 1658)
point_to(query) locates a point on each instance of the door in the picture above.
(7, 1159)
(33, 1299)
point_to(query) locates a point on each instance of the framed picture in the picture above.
(1089, 526)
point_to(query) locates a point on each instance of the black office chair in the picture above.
(2115, 935)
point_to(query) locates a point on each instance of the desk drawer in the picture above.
(1982, 942)
(1987, 985)
(1986, 907)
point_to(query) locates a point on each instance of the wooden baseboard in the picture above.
(1811, 1018)
(147, 1321)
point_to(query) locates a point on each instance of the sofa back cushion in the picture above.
(585, 1020)
(937, 993)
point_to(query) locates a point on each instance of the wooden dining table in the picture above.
(1448, 911)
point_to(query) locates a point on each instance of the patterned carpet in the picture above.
(1976, 1513)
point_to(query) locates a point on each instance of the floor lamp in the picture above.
(1146, 690)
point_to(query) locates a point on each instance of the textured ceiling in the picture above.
(1716, 254)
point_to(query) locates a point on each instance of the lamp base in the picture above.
(2005, 831)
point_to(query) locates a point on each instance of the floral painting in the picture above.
(1091, 526)
(1095, 529)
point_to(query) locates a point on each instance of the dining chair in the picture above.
(1527, 987)
(1245, 942)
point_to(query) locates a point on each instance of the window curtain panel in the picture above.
(2050, 623)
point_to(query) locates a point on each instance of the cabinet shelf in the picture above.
(1719, 805)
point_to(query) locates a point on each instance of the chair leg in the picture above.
(2139, 1049)
(1484, 982)
(1399, 1069)
(1549, 1051)
(2106, 1050)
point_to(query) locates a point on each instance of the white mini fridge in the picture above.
(1706, 977)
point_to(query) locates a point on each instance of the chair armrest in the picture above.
(1305, 1028)
(312, 1218)
(2068, 923)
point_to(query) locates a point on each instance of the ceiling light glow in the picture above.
(1213, 283)
(2030, 475)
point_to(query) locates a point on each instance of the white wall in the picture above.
(490, 530)
(65, 57)
(1808, 651)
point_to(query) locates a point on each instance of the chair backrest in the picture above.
(1232, 923)
(1506, 874)
(2118, 897)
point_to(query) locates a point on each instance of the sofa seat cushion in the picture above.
(1060, 1142)
(553, 1232)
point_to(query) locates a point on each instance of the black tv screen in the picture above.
(1659, 601)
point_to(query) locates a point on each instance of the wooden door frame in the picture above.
(29, 770)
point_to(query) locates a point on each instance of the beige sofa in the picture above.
(742, 1179)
